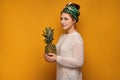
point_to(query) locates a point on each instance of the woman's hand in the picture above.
(51, 57)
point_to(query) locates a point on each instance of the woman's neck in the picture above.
(71, 30)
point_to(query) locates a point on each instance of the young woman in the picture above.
(70, 48)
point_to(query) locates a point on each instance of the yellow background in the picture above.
(22, 46)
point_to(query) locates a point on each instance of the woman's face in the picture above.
(66, 21)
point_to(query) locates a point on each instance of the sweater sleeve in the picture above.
(75, 61)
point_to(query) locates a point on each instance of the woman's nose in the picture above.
(62, 21)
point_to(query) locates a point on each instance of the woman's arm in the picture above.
(77, 59)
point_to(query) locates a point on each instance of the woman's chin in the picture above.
(64, 28)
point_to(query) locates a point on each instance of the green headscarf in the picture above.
(71, 10)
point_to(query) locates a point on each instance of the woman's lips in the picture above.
(63, 25)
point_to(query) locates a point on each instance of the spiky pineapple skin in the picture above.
(50, 48)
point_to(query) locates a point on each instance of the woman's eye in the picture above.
(66, 18)
(61, 18)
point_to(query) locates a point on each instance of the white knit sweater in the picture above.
(70, 51)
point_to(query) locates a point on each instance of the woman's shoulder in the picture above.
(77, 37)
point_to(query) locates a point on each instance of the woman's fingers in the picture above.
(51, 54)
(48, 58)
(51, 57)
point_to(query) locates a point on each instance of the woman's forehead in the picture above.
(65, 15)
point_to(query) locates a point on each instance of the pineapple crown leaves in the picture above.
(48, 34)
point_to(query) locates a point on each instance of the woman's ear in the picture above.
(74, 21)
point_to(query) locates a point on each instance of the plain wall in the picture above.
(22, 46)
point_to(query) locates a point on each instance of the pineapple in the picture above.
(48, 34)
